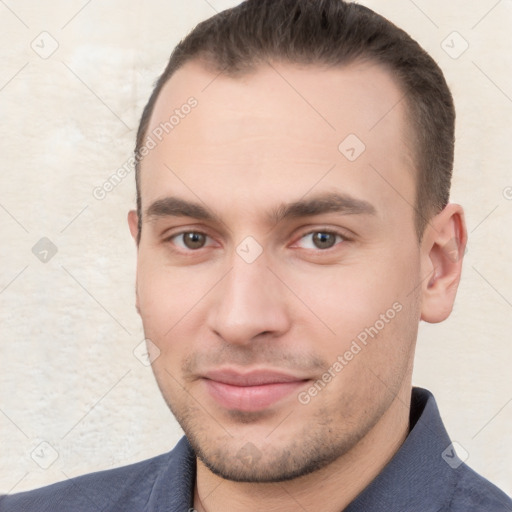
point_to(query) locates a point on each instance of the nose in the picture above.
(249, 303)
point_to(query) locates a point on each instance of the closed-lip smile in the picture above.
(250, 390)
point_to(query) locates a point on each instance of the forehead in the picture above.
(279, 131)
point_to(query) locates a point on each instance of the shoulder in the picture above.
(99, 491)
(473, 493)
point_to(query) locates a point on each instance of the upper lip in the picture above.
(250, 378)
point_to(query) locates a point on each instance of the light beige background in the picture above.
(69, 378)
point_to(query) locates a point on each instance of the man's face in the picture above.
(285, 308)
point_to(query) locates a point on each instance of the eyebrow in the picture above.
(321, 204)
(176, 207)
(325, 203)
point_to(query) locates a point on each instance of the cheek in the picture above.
(165, 296)
(375, 293)
(375, 326)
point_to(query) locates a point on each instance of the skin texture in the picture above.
(253, 144)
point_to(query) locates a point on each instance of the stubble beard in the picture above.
(295, 454)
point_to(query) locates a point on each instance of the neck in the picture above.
(335, 485)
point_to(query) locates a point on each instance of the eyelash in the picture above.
(343, 236)
(325, 232)
(181, 233)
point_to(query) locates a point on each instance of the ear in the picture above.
(133, 223)
(442, 252)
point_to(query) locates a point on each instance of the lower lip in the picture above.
(250, 398)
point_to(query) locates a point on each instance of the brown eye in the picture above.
(320, 240)
(190, 241)
(323, 240)
(193, 240)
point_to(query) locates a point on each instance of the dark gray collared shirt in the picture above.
(425, 475)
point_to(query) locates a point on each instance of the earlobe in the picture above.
(133, 223)
(137, 307)
(442, 254)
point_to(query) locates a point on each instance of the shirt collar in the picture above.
(418, 467)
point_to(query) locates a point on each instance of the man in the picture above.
(292, 228)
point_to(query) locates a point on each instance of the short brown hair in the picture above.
(331, 32)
